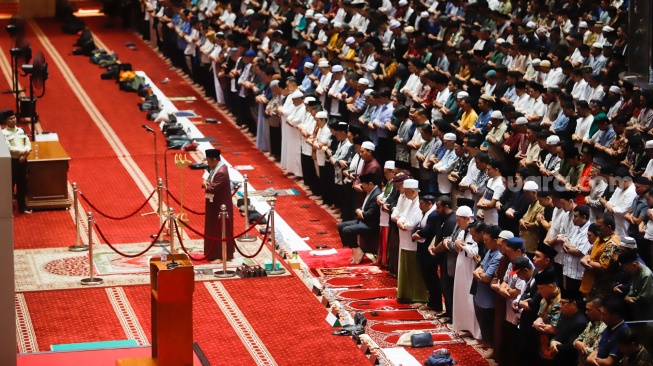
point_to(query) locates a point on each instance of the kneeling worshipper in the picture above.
(366, 222)
(218, 193)
(407, 214)
(463, 315)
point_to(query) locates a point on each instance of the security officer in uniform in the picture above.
(19, 147)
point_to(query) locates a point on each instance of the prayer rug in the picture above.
(403, 315)
(341, 257)
(393, 327)
(437, 338)
(375, 293)
(186, 113)
(340, 271)
(382, 304)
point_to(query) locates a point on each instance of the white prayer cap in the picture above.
(615, 89)
(499, 41)
(309, 13)
(411, 184)
(323, 20)
(309, 99)
(369, 145)
(521, 121)
(462, 211)
(318, 16)
(363, 81)
(323, 63)
(552, 140)
(545, 63)
(274, 83)
(597, 45)
(410, 29)
(390, 164)
(450, 136)
(322, 114)
(462, 94)
(496, 114)
(336, 68)
(403, 2)
(649, 144)
(296, 94)
(368, 92)
(530, 186)
(582, 24)
(424, 14)
(505, 234)
(394, 23)
(628, 242)
(337, 24)
(249, 12)
(536, 62)
(607, 28)
(531, 25)
(349, 41)
(309, 65)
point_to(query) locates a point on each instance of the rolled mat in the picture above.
(391, 327)
(375, 293)
(437, 337)
(405, 315)
(382, 304)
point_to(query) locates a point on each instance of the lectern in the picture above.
(47, 182)
(172, 314)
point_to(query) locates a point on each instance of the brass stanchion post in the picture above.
(246, 237)
(78, 247)
(224, 273)
(273, 251)
(91, 280)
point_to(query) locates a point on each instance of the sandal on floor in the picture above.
(342, 332)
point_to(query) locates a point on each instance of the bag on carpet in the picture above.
(151, 103)
(420, 340)
(198, 166)
(191, 146)
(153, 114)
(440, 357)
(106, 63)
(83, 38)
(406, 338)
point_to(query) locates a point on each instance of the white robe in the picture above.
(463, 315)
(288, 110)
(293, 138)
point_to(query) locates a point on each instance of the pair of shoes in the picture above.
(27, 212)
(488, 354)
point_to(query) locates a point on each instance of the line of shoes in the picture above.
(246, 271)
(355, 329)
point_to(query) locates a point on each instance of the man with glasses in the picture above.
(572, 324)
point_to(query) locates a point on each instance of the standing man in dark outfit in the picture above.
(218, 193)
(19, 148)
(444, 207)
(423, 234)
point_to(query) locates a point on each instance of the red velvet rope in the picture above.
(193, 211)
(227, 239)
(130, 255)
(181, 242)
(265, 238)
(116, 217)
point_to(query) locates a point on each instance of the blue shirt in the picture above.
(485, 296)
(608, 343)
(482, 121)
(560, 123)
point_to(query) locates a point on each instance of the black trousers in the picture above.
(275, 142)
(428, 266)
(326, 181)
(571, 284)
(350, 230)
(485, 318)
(447, 286)
(645, 250)
(348, 202)
(19, 179)
(510, 352)
(310, 175)
(385, 150)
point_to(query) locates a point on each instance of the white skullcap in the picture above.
(496, 114)
(349, 41)
(296, 94)
(390, 164)
(607, 28)
(552, 140)
(500, 41)
(309, 65)
(323, 20)
(424, 14)
(368, 92)
(505, 234)
(409, 29)
(369, 145)
(450, 136)
(337, 24)
(628, 242)
(394, 24)
(249, 12)
(323, 64)
(274, 83)
(363, 81)
(531, 25)
(582, 24)
(521, 121)
(403, 2)
(318, 16)
(309, 13)
(597, 45)
(530, 186)
(462, 94)
(536, 62)
(615, 89)
(411, 184)
(309, 99)
(462, 211)
(322, 114)
(336, 68)
(649, 144)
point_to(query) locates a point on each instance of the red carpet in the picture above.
(341, 259)
(391, 327)
(345, 282)
(437, 337)
(463, 354)
(378, 304)
(105, 357)
(368, 294)
(403, 315)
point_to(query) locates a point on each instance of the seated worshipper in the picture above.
(463, 301)
(547, 323)
(218, 193)
(607, 351)
(494, 189)
(639, 300)
(407, 215)
(366, 222)
(588, 340)
(572, 323)
(423, 235)
(634, 353)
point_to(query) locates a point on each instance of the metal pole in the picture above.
(171, 228)
(159, 188)
(273, 251)
(246, 237)
(78, 247)
(224, 273)
(91, 280)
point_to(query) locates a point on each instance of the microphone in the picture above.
(172, 264)
(147, 128)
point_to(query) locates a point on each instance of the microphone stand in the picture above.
(159, 211)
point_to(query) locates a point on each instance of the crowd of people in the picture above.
(488, 152)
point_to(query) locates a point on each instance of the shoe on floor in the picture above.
(488, 354)
(27, 212)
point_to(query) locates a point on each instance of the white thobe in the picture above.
(463, 314)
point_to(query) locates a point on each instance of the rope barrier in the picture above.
(195, 231)
(265, 239)
(181, 242)
(130, 255)
(116, 217)
(193, 211)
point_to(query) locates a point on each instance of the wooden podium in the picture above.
(172, 314)
(47, 177)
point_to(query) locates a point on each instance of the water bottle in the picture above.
(164, 255)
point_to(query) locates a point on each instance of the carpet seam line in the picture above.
(128, 319)
(26, 337)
